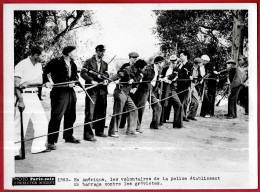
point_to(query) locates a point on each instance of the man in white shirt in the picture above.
(29, 72)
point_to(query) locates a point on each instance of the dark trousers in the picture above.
(185, 97)
(243, 97)
(208, 103)
(123, 101)
(178, 111)
(194, 104)
(93, 112)
(63, 103)
(232, 101)
(141, 99)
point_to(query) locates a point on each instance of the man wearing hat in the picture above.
(169, 76)
(132, 59)
(157, 66)
(196, 75)
(122, 99)
(236, 84)
(97, 94)
(209, 88)
(143, 94)
(63, 98)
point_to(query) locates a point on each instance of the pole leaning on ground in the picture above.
(22, 135)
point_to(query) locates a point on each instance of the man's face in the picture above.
(161, 64)
(37, 58)
(72, 54)
(100, 54)
(241, 61)
(183, 57)
(230, 66)
(173, 63)
(133, 60)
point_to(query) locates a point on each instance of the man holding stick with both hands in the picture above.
(94, 72)
(63, 97)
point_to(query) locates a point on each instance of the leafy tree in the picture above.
(199, 31)
(50, 29)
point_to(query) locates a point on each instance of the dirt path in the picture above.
(209, 144)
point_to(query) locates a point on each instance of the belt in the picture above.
(31, 91)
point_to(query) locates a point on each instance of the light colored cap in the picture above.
(205, 58)
(173, 58)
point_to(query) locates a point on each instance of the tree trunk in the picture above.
(238, 34)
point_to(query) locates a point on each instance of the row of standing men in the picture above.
(137, 83)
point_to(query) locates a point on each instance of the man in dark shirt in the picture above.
(63, 99)
(92, 72)
(236, 84)
(184, 85)
(122, 100)
(132, 59)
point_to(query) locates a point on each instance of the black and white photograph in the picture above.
(130, 96)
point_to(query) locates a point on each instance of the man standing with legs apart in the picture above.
(132, 59)
(28, 72)
(170, 75)
(122, 100)
(63, 98)
(143, 95)
(94, 72)
(236, 84)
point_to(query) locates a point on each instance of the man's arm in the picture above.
(37, 81)
(18, 93)
(84, 72)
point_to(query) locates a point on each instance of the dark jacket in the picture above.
(184, 73)
(237, 79)
(91, 64)
(59, 71)
(148, 75)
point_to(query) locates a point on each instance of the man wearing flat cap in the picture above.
(194, 103)
(94, 71)
(236, 83)
(132, 59)
(63, 98)
(169, 76)
(129, 79)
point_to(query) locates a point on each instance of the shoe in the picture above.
(230, 117)
(192, 118)
(72, 140)
(176, 127)
(132, 133)
(44, 151)
(154, 128)
(226, 115)
(207, 116)
(139, 131)
(90, 139)
(113, 135)
(18, 157)
(101, 135)
(185, 119)
(51, 146)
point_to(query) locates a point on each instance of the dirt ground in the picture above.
(209, 144)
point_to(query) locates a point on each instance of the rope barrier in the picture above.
(98, 119)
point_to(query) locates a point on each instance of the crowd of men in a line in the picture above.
(179, 85)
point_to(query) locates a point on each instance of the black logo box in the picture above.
(33, 181)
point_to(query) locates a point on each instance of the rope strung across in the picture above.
(98, 119)
(66, 84)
